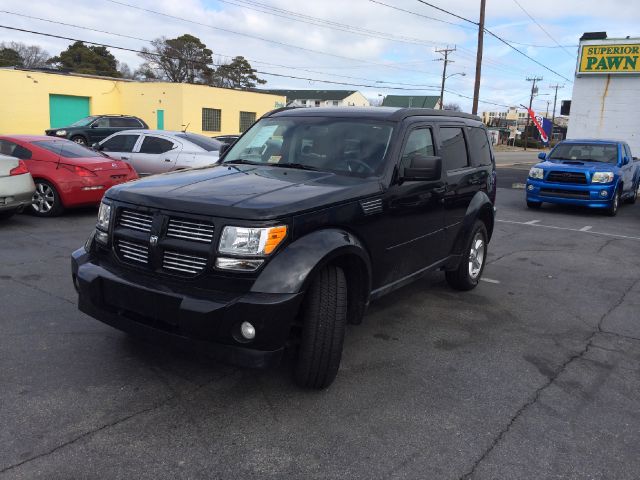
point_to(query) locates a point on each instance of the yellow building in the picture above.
(32, 101)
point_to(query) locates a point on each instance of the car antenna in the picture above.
(185, 127)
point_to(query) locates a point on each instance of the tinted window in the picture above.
(155, 145)
(102, 123)
(454, 148)
(124, 122)
(67, 149)
(420, 142)
(586, 152)
(14, 150)
(120, 143)
(206, 143)
(480, 149)
(83, 122)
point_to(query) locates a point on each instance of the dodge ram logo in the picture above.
(153, 240)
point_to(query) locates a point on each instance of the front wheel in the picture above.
(46, 200)
(612, 210)
(468, 273)
(80, 140)
(324, 316)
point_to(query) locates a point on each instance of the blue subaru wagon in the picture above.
(591, 173)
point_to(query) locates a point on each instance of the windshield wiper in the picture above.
(241, 161)
(300, 166)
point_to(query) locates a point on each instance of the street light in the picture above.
(462, 74)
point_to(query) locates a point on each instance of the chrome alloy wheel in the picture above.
(476, 255)
(43, 198)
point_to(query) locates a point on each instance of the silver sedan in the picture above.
(159, 151)
(16, 186)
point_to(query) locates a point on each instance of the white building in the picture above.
(322, 98)
(606, 92)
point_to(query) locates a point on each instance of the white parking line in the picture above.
(627, 237)
(532, 222)
(489, 280)
(586, 229)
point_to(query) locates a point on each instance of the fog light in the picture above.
(102, 237)
(530, 187)
(248, 331)
(604, 193)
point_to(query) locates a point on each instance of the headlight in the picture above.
(537, 173)
(602, 177)
(251, 241)
(104, 217)
(61, 133)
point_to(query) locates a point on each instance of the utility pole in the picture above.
(476, 87)
(445, 58)
(547, 114)
(533, 92)
(555, 98)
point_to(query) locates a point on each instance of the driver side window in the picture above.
(420, 142)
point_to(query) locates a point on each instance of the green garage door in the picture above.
(66, 109)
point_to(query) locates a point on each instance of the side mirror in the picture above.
(635, 159)
(223, 148)
(542, 156)
(625, 160)
(94, 125)
(423, 167)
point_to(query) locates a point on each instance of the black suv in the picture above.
(94, 128)
(312, 214)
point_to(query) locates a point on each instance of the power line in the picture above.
(542, 28)
(420, 14)
(448, 12)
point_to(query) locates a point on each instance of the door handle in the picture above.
(167, 159)
(124, 158)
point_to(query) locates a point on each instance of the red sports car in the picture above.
(66, 174)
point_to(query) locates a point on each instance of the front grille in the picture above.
(554, 192)
(190, 230)
(135, 220)
(135, 252)
(180, 262)
(567, 177)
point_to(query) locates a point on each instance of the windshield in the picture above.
(83, 122)
(206, 143)
(67, 149)
(586, 152)
(345, 146)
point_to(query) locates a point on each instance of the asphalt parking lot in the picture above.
(534, 374)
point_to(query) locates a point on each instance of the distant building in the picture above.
(412, 101)
(606, 90)
(507, 118)
(33, 100)
(321, 98)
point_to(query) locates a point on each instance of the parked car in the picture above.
(230, 139)
(65, 174)
(94, 128)
(310, 215)
(160, 151)
(16, 186)
(591, 173)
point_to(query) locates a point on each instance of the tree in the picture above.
(10, 57)
(144, 72)
(125, 71)
(184, 59)
(453, 107)
(236, 74)
(90, 60)
(31, 56)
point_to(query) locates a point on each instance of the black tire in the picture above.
(7, 214)
(614, 204)
(80, 140)
(534, 205)
(324, 316)
(462, 277)
(634, 196)
(46, 200)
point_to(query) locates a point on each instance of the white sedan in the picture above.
(158, 151)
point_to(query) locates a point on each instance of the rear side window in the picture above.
(155, 145)
(120, 143)
(454, 148)
(479, 146)
(14, 150)
(102, 123)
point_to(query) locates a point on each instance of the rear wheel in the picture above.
(534, 205)
(46, 201)
(79, 139)
(634, 195)
(324, 313)
(612, 209)
(468, 273)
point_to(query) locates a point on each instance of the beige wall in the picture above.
(357, 100)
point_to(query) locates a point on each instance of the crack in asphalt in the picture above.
(536, 395)
(41, 290)
(89, 433)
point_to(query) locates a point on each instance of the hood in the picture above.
(578, 166)
(244, 191)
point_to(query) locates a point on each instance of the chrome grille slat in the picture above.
(133, 251)
(190, 230)
(135, 220)
(182, 262)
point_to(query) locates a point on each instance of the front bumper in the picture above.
(205, 321)
(590, 195)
